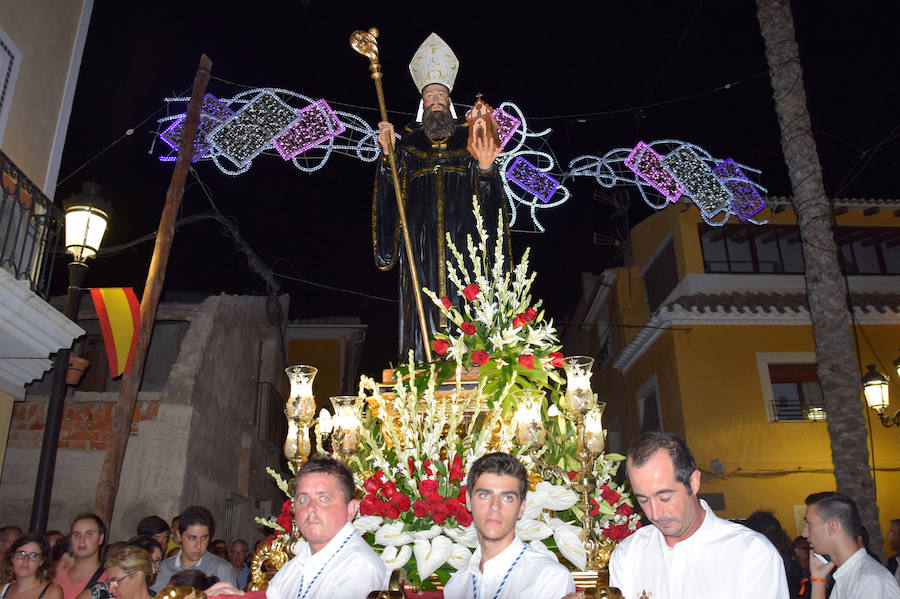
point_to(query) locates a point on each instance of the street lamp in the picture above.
(86, 217)
(875, 390)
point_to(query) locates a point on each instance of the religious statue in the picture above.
(438, 177)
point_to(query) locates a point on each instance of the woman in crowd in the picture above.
(129, 571)
(62, 555)
(27, 570)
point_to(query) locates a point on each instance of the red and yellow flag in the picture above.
(120, 319)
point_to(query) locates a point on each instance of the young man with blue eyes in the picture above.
(335, 561)
(503, 566)
(689, 551)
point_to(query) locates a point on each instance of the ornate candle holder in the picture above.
(300, 408)
(345, 424)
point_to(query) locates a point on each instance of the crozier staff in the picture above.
(438, 177)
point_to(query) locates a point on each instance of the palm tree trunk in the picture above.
(828, 305)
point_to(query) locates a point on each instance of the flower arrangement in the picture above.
(498, 328)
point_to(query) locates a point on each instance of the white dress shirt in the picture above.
(535, 576)
(348, 571)
(861, 577)
(721, 559)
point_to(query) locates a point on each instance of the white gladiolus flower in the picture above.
(394, 557)
(392, 534)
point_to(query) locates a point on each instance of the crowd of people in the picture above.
(684, 551)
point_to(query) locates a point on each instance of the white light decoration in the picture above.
(645, 167)
(316, 124)
(710, 195)
(242, 137)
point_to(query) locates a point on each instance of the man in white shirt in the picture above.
(335, 561)
(503, 566)
(689, 552)
(833, 526)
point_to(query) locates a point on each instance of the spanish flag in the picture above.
(120, 319)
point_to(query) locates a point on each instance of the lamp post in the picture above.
(86, 217)
(875, 390)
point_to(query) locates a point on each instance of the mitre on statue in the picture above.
(434, 62)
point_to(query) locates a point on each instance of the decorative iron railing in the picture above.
(29, 227)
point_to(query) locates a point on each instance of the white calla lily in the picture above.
(427, 534)
(464, 536)
(557, 497)
(431, 555)
(325, 423)
(540, 547)
(459, 556)
(364, 524)
(392, 534)
(569, 543)
(530, 529)
(394, 557)
(534, 502)
(553, 411)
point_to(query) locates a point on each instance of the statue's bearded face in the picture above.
(436, 117)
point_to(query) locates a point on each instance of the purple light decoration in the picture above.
(747, 200)
(531, 179)
(317, 123)
(508, 125)
(212, 113)
(698, 179)
(250, 131)
(647, 164)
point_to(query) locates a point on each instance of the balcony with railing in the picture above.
(29, 227)
(30, 328)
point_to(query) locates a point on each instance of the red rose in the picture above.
(380, 507)
(389, 489)
(572, 474)
(462, 494)
(446, 301)
(379, 477)
(439, 513)
(625, 509)
(557, 358)
(529, 314)
(463, 517)
(367, 505)
(526, 360)
(468, 328)
(401, 501)
(616, 532)
(371, 485)
(427, 488)
(596, 509)
(609, 495)
(480, 357)
(391, 511)
(441, 346)
(453, 504)
(412, 465)
(518, 322)
(426, 467)
(471, 292)
(456, 469)
(420, 508)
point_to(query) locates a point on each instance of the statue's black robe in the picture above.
(437, 180)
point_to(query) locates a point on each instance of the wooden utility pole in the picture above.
(108, 485)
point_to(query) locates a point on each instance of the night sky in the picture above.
(601, 75)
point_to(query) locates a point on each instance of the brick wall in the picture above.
(85, 425)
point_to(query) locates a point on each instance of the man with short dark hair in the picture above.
(335, 561)
(689, 551)
(156, 527)
(88, 533)
(237, 556)
(503, 565)
(8, 536)
(833, 527)
(196, 526)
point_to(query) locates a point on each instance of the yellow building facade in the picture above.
(707, 335)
